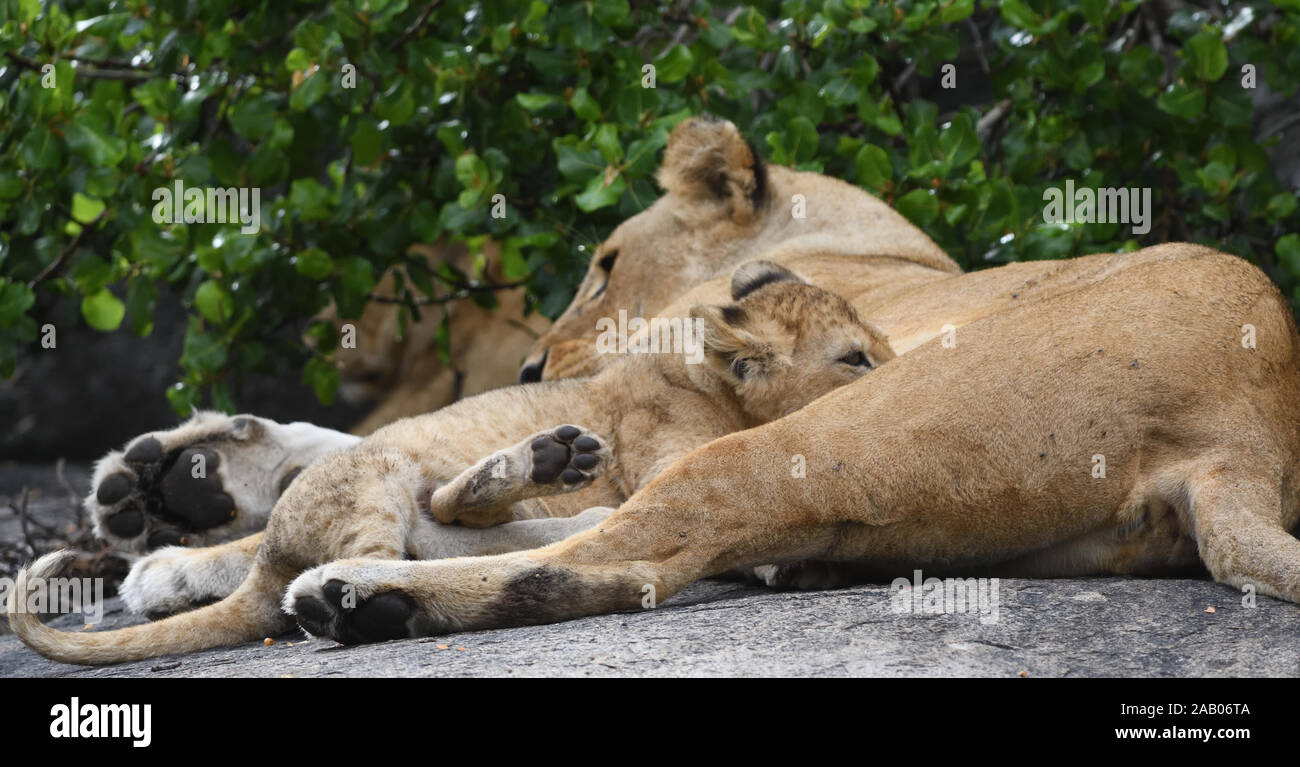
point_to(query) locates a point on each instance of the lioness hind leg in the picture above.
(554, 461)
(176, 579)
(1243, 537)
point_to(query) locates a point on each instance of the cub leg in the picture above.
(447, 541)
(554, 461)
(1242, 536)
(175, 579)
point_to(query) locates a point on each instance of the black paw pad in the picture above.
(586, 461)
(313, 615)
(383, 616)
(571, 476)
(587, 444)
(567, 433)
(376, 619)
(126, 524)
(114, 488)
(549, 459)
(147, 450)
(192, 490)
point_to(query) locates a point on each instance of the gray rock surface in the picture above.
(1081, 627)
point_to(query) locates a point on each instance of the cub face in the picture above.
(784, 342)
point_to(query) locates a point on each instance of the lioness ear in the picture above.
(753, 275)
(729, 348)
(707, 160)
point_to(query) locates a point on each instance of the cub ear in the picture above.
(729, 348)
(753, 275)
(707, 160)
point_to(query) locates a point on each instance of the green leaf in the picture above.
(314, 263)
(367, 141)
(674, 64)
(1181, 101)
(311, 90)
(584, 105)
(535, 101)
(103, 310)
(309, 198)
(86, 209)
(1288, 253)
(1208, 56)
(15, 300)
(957, 10)
(597, 195)
(919, 206)
(801, 139)
(214, 303)
(873, 167)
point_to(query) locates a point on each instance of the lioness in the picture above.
(780, 345)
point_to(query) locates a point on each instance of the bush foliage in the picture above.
(370, 125)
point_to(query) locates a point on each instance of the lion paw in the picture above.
(559, 460)
(571, 454)
(211, 479)
(173, 579)
(338, 608)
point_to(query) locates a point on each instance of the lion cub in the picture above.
(780, 345)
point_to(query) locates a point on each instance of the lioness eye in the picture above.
(606, 263)
(856, 358)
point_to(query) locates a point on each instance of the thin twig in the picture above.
(57, 263)
(411, 30)
(992, 117)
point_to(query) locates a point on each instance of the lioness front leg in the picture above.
(550, 462)
(674, 532)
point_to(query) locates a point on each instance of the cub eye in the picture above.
(740, 368)
(856, 358)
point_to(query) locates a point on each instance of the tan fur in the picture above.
(974, 450)
(707, 225)
(976, 456)
(380, 499)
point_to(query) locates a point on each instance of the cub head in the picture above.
(783, 342)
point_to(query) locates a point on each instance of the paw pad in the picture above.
(565, 453)
(381, 617)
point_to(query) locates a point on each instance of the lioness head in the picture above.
(784, 342)
(722, 206)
